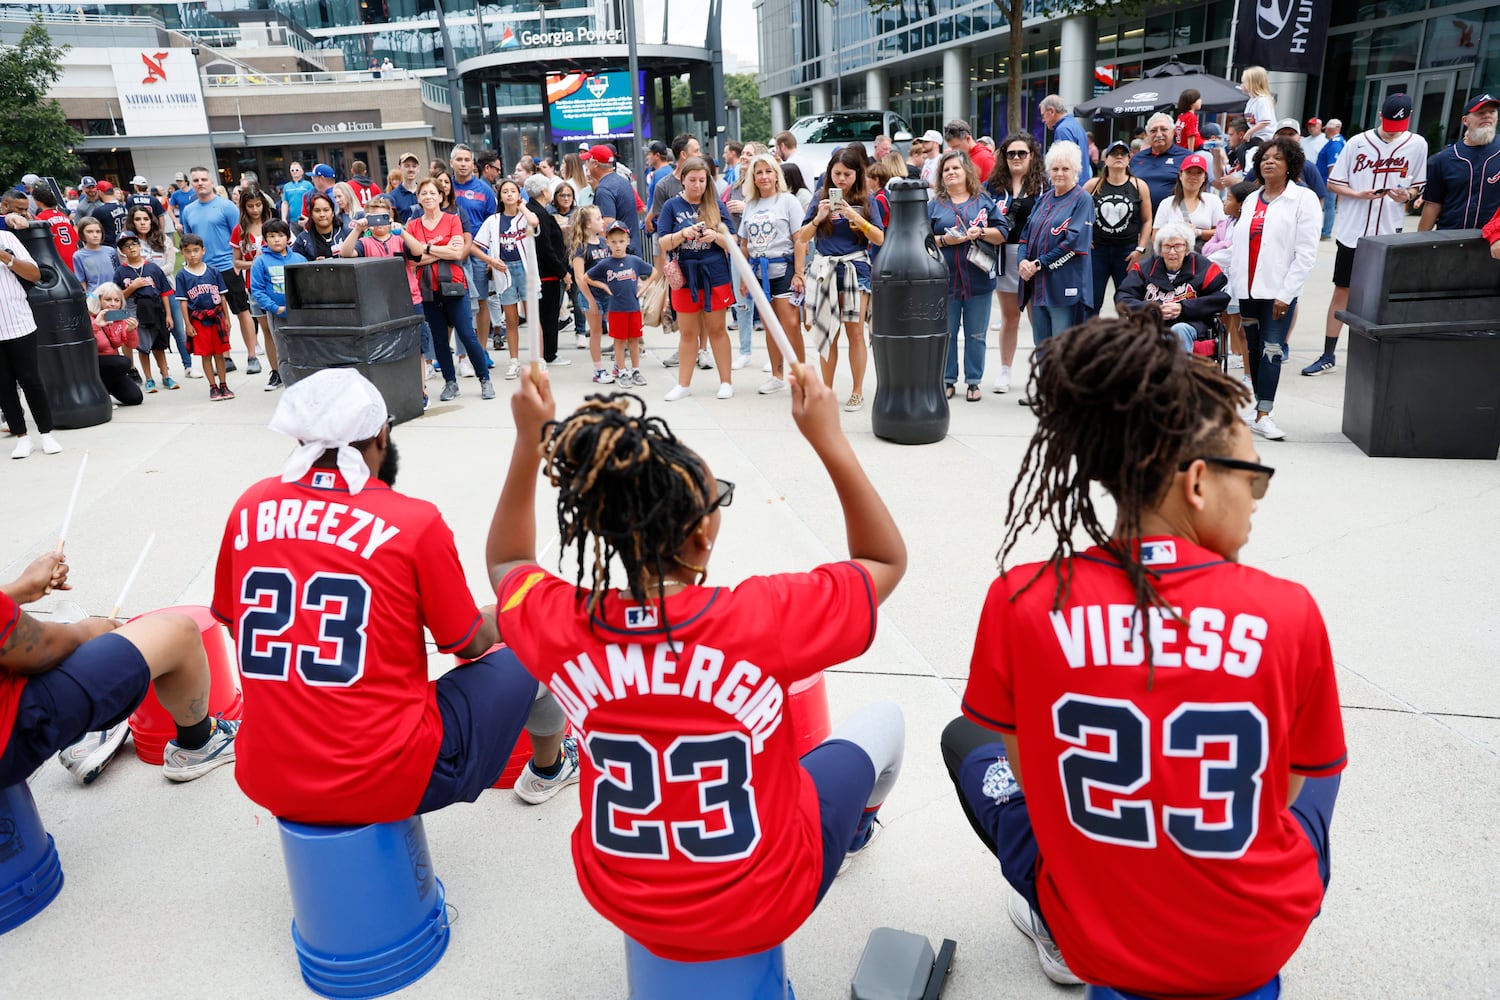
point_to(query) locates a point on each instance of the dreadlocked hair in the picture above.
(1120, 403)
(626, 481)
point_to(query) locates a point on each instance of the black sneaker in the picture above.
(274, 382)
(229, 365)
(135, 376)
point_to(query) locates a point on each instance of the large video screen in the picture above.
(592, 106)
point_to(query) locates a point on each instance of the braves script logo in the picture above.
(1382, 168)
(1493, 180)
(1060, 229)
(597, 85)
(156, 67)
(1271, 17)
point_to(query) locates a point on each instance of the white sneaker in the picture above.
(705, 359)
(670, 361)
(50, 445)
(87, 758)
(429, 371)
(535, 789)
(602, 376)
(771, 385)
(766, 367)
(559, 362)
(726, 391)
(1002, 381)
(185, 765)
(677, 392)
(512, 369)
(193, 373)
(740, 361)
(1266, 428)
(1030, 924)
(1248, 383)
(23, 448)
(1235, 361)
(465, 370)
(581, 342)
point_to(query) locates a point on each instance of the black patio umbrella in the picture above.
(1158, 90)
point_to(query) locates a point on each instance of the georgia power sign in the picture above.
(160, 92)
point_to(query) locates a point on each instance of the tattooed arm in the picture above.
(34, 647)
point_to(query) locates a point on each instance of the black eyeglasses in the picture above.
(1260, 479)
(725, 495)
(1017, 154)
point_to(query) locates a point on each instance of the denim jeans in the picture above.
(1048, 321)
(1330, 205)
(744, 317)
(1266, 337)
(444, 315)
(1187, 333)
(1109, 262)
(974, 316)
(580, 313)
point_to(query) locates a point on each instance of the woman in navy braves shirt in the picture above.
(697, 236)
(968, 228)
(1053, 252)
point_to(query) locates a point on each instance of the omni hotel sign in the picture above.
(344, 126)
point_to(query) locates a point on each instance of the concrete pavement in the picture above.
(179, 890)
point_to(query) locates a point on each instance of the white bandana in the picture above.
(330, 409)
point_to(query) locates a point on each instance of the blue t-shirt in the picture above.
(199, 292)
(476, 202)
(294, 195)
(1069, 129)
(615, 199)
(95, 267)
(623, 276)
(181, 197)
(592, 253)
(1465, 180)
(213, 220)
(965, 281)
(844, 239)
(711, 258)
(1329, 154)
(1159, 172)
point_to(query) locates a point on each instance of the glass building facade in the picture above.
(1436, 50)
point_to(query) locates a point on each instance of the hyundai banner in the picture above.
(1282, 35)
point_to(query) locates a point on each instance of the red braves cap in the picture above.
(1477, 101)
(600, 154)
(1193, 160)
(1315, 121)
(1395, 113)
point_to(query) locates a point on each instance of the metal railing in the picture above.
(435, 94)
(269, 79)
(83, 17)
(229, 38)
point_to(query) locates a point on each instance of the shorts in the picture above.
(845, 779)
(516, 293)
(96, 687)
(1343, 266)
(239, 299)
(781, 287)
(484, 706)
(1233, 309)
(625, 325)
(719, 299)
(152, 338)
(1009, 280)
(479, 279)
(209, 341)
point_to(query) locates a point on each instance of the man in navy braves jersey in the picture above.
(1463, 181)
(1376, 176)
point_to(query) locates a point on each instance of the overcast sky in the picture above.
(689, 20)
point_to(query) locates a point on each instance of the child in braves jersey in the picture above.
(1159, 798)
(703, 836)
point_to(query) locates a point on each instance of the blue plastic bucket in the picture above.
(367, 911)
(1270, 991)
(761, 976)
(30, 874)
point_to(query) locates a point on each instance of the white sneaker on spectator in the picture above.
(726, 391)
(1235, 361)
(705, 359)
(771, 385)
(677, 392)
(49, 445)
(465, 370)
(1266, 428)
(1029, 923)
(766, 367)
(1002, 380)
(582, 342)
(512, 369)
(740, 361)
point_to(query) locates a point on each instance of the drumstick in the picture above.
(758, 295)
(67, 521)
(533, 308)
(140, 560)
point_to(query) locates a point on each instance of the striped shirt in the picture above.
(16, 320)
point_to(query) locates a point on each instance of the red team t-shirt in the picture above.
(10, 683)
(327, 594)
(1169, 864)
(700, 832)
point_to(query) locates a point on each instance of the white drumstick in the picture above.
(758, 295)
(533, 293)
(140, 561)
(62, 536)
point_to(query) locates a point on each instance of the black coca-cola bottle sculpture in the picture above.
(910, 335)
(66, 357)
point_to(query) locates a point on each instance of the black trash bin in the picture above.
(355, 313)
(66, 357)
(910, 333)
(1424, 347)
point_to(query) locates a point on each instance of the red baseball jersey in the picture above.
(700, 834)
(327, 595)
(1156, 766)
(10, 683)
(64, 235)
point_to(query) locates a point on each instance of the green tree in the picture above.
(1015, 11)
(35, 137)
(755, 110)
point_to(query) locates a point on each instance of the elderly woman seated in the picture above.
(1188, 288)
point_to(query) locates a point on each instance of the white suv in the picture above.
(819, 135)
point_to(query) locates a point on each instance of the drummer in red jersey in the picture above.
(703, 835)
(1158, 797)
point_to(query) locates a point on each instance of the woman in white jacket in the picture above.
(1275, 247)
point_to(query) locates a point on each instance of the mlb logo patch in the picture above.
(324, 480)
(640, 617)
(1158, 553)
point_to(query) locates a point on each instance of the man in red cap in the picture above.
(1378, 173)
(1463, 181)
(613, 194)
(1314, 141)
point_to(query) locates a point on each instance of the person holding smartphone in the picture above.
(377, 235)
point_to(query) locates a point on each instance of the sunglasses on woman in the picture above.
(1017, 154)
